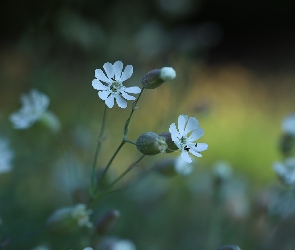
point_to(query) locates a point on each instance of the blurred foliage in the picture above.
(56, 49)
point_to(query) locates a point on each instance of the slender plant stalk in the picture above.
(126, 128)
(133, 165)
(100, 137)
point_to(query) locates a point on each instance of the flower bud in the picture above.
(51, 121)
(67, 219)
(171, 145)
(107, 222)
(156, 77)
(166, 167)
(150, 143)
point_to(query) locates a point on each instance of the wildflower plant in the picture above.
(109, 83)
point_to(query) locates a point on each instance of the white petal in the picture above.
(192, 124)
(101, 76)
(182, 120)
(127, 97)
(196, 134)
(184, 155)
(96, 84)
(121, 102)
(174, 134)
(110, 101)
(103, 95)
(109, 69)
(118, 66)
(195, 152)
(201, 146)
(133, 90)
(19, 121)
(128, 71)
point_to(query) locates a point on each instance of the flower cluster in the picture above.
(81, 214)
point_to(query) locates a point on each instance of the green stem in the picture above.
(131, 142)
(129, 119)
(133, 165)
(100, 136)
(124, 137)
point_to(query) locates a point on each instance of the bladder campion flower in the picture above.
(6, 156)
(113, 87)
(186, 135)
(34, 108)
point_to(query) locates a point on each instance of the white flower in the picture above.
(286, 170)
(288, 124)
(81, 214)
(124, 245)
(6, 155)
(34, 106)
(182, 167)
(186, 135)
(88, 248)
(113, 87)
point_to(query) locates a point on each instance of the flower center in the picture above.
(116, 86)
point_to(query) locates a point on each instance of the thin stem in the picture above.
(131, 142)
(100, 136)
(111, 160)
(129, 119)
(133, 165)
(124, 140)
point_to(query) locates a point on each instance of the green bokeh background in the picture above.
(234, 65)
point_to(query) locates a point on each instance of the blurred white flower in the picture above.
(182, 167)
(123, 245)
(113, 87)
(222, 170)
(88, 248)
(41, 247)
(6, 155)
(186, 135)
(113, 243)
(288, 124)
(81, 214)
(286, 170)
(34, 106)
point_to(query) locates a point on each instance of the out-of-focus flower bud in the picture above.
(173, 166)
(222, 172)
(166, 167)
(287, 144)
(68, 219)
(51, 121)
(157, 77)
(107, 222)
(150, 143)
(229, 247)
(171, 145)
